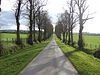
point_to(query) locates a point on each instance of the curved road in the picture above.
(51, 61)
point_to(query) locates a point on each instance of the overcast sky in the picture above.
(54, 8)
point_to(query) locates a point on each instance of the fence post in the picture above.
(13, 40)
(7, 41)
(90, 46)
(95, 46)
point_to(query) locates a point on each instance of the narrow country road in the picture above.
(51, 61)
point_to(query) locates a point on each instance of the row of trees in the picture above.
(74, 15)
(33, 11)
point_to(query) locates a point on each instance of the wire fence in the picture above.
(92, 46)
(8, 41)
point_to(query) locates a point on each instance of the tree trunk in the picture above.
(39, 35)
(18, 40)
(1, 45)
(30, 40)
(34, 28)
(60, 36)
(69, 37)
(44, 38)
(72, 37)
(66, 37)
(17, 16)
(80, 41)
(63, 36)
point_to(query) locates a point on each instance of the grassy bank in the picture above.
(84, 63)
(14, 63)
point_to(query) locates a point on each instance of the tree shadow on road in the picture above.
(71, 52)
(56, 64)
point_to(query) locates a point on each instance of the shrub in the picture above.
(1, 49)
(97, 53)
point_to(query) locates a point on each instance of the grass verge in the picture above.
(84, 63)
(13, 64)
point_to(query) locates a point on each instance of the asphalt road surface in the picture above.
(51, 61)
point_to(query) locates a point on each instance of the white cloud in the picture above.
(7, 5)
(7, 18)
(22, 27)
(94, 24)
(55, 7)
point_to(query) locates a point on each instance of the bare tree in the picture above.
(49, 29)
(30, 38)
(17, 16)
(36, 8)
(59, 29)
(33, 7)
(39, 25)
(39, 18)
(72, 20)
(68, 20)
(63, 23)
(37, 5)
(43, 22)
(81, 8)
(46, 22)
(66, 14)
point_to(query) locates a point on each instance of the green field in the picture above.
(91, 42)
(9, 36)
(86, 64)
(8, 41)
